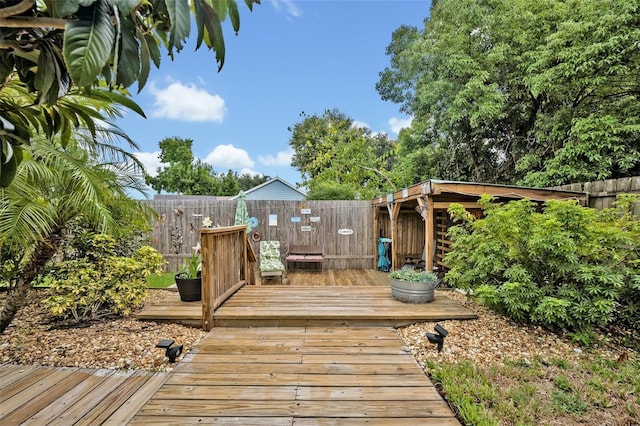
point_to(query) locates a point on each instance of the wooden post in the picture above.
(426, 211)
(394, 213)
(207, 250)
(430, 235)
(376, 232)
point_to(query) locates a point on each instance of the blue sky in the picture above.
(289, 56)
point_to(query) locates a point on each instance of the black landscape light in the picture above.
(438, 336)
(171, 352)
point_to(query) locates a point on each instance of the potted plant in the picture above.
(188, 280)
(411, 286)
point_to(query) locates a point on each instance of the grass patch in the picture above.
(163, 280)
(591, 391)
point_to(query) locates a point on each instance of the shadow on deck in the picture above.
(334, 298)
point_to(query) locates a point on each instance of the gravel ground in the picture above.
(130, 344)
(113, 344)
(491, 339)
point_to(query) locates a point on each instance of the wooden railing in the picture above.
(227, 260)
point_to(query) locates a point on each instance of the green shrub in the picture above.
(563, 266)
(86, 289)
(411, 275)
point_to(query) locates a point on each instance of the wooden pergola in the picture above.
(416, 218)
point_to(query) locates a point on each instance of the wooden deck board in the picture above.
(48, 395)
(337, 376)
(313, 302)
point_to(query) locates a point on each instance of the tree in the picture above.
(247, 181)
(509, 91)
(183, 173)
(55, 45)
(52, 188)
(333, 151)
(328, 191)
(21, 116)
(187, 175)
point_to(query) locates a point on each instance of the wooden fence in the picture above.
(603, 193)
(343, 228)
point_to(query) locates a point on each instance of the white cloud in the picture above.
(290, 7)
(282, 158)
(150, 160)
(250, 172)
(187, 102)
(398, 124)
(229, 157)
(360, 125)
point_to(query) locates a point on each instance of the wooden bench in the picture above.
(305, 254)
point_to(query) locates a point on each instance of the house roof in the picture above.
(273, 189)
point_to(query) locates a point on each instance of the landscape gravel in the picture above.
(491, 340)
(124, 343)
(128, 343)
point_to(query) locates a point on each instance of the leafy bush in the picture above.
(82, 242)
(563, 266)
(191, 266)
(90, 288)
(412, 275)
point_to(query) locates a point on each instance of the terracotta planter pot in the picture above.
(190, 289)
(412, 292)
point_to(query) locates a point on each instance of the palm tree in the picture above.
(54, 186)
(57, 46)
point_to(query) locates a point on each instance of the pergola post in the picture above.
(426, 211)
(394, 213)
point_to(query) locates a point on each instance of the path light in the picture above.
(172, 352)
(438, 336)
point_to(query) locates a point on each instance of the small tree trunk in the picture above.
(14, 301)
(43, 252)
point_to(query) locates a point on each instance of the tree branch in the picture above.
(30, 22)
(378, 172)
(16, 9)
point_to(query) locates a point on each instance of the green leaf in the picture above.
(129, 57)
(250, 3)
(145, 60)
(214, 37)
(88, 43)
(123, 100)
(199, 17)
(62, 8)
(45, 80)
(126, 6)
(180, 16)
(154, 49)
(234, 16)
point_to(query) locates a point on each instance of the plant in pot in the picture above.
(188, 280)
(411, 286)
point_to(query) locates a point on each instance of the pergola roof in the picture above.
(452, 191)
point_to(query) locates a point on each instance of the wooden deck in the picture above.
(34, 395)
(363, 298)
(298, 376)
(324, 368)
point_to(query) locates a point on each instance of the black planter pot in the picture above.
(190, 289)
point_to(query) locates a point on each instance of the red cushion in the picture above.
(313, 257)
